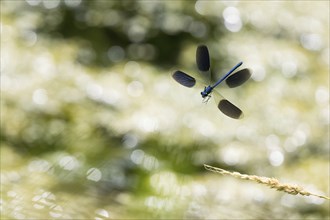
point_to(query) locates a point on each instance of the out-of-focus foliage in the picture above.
(93, 127)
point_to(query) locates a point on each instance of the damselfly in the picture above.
(232, 80)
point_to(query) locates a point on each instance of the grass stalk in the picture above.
(271, 182)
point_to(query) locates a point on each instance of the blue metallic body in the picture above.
(207, 90)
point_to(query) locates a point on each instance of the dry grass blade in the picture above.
(271, 182)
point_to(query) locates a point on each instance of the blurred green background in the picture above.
(94, 127)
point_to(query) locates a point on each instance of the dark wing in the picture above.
(202, 58)
(230, 109)
(238, 78)
(184, 79)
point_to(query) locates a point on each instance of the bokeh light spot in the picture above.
(39, 166)
(116, 54)
(200, 7)
(322, 95)
(56, 211)
(130, 140)
(40, 97)
(276, 158)
(198, 29)
(137, 156)
(111, 18)
(135, 89)
(33, 2)
(289, 68)
(232, 19)
(94, 174)
(141, 51)
(132, 69)
(68, 163)
(311, 41)
(101, 214)
(94, 91)
(30, 38)
(72, 3)
(51, 4)
(258, 73)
